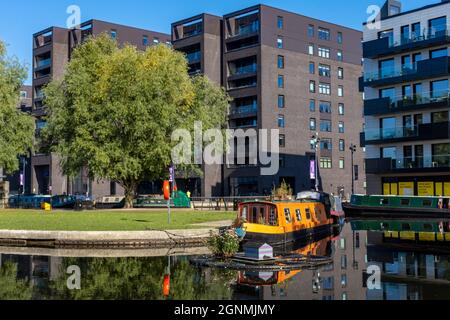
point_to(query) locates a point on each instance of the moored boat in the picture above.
(278, 223)
(398, 206)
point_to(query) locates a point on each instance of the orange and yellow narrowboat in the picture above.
(282, 222)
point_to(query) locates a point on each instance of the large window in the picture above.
(324, 52)
(441, 154)
(325, 88)
(325, 107)
(405, 34)
(324, 34)
(439, 88)
(326, 144)
(326, 163)
(388, 93)
(442, 52)
(437, 117)
(437, 27)
(324, 70)
(325, 125)
(387, 34)
(386, 68)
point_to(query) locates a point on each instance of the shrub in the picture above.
(224, 245)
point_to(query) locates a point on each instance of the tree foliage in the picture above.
(12, 288)
(116, 107)
(16, 128)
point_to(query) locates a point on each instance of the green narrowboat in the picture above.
(398, 206)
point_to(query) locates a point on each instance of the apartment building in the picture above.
(52, 50)
(406, 107)
(288, 72)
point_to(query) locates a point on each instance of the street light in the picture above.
(353, 150)
(316, 140)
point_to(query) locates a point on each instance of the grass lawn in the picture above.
(117, 220)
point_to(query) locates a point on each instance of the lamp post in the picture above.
(316, 141)
(353, 150)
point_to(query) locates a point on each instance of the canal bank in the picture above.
(106, 239)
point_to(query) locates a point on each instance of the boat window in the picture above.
(254, 214)
(428, 227)
(287, 214)
(427, 203)
(406, 227)
(298, 213)
(244, 213)
(405, 202)
(273, 221)
(262, 215)
(384, 202)
(308, 213)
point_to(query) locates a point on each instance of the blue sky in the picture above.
(20, 19)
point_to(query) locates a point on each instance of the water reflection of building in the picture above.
(36, 269)
(410, 271)
(340, 280)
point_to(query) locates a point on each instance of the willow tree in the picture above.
(16, 127)
(115, 109)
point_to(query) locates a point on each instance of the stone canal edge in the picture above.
(106, 239)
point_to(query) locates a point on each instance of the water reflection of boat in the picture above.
(398, 206)
(280, 222)
(321, 248)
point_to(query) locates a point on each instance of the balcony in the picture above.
(429, 131)
(421, 70)
(405, 104)
(194, 57)
(244, 111)
(43, 63)
(385, 46)
(434, 163)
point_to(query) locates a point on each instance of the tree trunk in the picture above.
(130, 194)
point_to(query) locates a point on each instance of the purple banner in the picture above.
(312, 169)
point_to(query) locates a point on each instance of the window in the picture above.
(312, 124)
(281, 101)
(311, 31)
(325, 88)
(312, 105)
(405, 34)
(340, 73)
(145, 41)
(341, 163)
(280, 43)
(114, 34)
(344, 281)
(23, 94)
(326, 144)
(312, 68)
(439, 117)
(282, 161)
(393, 10)
(308, 213)
(340, 91)
(280, 81)
(324, 52)
(438, 53)
(439, 89)
(282, 141)
(324, 34)
(326, 163)
(325, 107)
(280, 62)
(437, 27)
(325, 125)
(415, 31)
(343, 262)
(341, 109)
(298, 214)
(280, 22)
(311, 49)
(281, 122)
(287, 214)
(341, 127)
(342, 145)
(324, 70)
(340, 38)
(340, 55)
(312, 86)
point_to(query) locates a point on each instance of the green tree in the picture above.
(10, 287)
(16, 128)
(115, 110)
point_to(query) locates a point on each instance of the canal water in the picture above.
(365, 265)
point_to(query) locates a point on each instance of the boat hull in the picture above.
(352, 211)
(289, 238)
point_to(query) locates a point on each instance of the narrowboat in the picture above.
(398, 206)
(278, 223)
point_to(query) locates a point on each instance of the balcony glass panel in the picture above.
(435, 161)
(248, 28)
(43, 63)
(194, 56)
(391, 133)
(390, 72)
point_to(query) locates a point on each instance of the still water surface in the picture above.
(413, 266)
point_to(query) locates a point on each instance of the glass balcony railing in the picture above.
(251, 68)
(194, 56)
(391, 133)
(252, 108)
(436, 161)
(427, 35)
(418, 99)
(390, 72)
(247, 29)
(43, 63)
